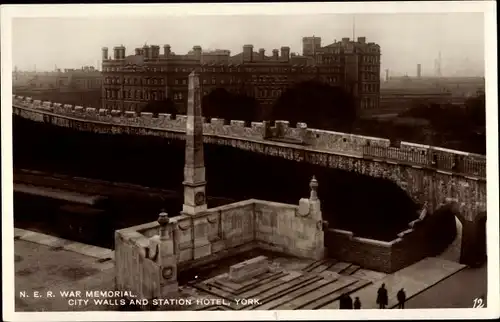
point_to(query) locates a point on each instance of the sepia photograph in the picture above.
(242, 158)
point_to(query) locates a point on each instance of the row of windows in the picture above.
(368, 103)
(370, 68)
(331, 79)
(137, 94)
(134, 81)
(367, 88)
(179, 96)
(371, 59)
(370, 77)
(272, 93)
(223, 69)
(331, 60)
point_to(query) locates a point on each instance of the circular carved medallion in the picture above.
(167, 272)
(199, 198)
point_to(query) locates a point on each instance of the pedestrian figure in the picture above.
(345, 302)
(401, 298)
(382, 297)
(342, 302)
(348, 302)
(357, 304)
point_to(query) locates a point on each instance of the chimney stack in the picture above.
(197, 52)
(362, 40)
(116, 53)
(275, 54)
(104, 53)
(419, 70)
(262, 54)
(166, 50)
(155, 52)
(247, 53)
(285, 53)
(146, 50)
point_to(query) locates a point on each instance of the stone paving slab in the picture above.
(414, 279)
(350, 270)
(309, 297)
(324, 301)
(323, 267)
(263, 281)
(339, 267)
(292, 295)
(368, 275)
(43, 269)
(297, 284)
(51, 241)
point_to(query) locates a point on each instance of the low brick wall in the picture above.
(409, 247)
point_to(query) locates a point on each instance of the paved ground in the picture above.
(44, 263)
(62, 265)
(457, 291)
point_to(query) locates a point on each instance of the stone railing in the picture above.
(304, 138)
(149, 256)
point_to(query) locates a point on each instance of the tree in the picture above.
(164, 106)
(317, 104)
(222, 104)
(475, 109)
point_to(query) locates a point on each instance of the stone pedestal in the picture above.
(248, 269)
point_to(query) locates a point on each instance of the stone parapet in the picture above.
(321, 141)
(203, 237)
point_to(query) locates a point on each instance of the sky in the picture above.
(406, 39)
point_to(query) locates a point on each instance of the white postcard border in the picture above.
(115, 10)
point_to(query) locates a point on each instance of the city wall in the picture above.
(316, 140)
(427, 174)
(148, 265)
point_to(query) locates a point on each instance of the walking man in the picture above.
(401, 298)
(357, 304)
(382, 297)
(348, 302)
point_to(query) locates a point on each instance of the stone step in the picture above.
(284, 289)
(265, 278)
(289, 280)
(339, 267)
(292, 295)
(350, 270)
(323, 267)
(310, 297)
(328, 299)
(313, 265)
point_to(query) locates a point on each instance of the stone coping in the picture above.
(65, 244)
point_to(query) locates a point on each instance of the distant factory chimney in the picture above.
(387, 75)
(419, 71)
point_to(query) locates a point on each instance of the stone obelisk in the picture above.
(194, 165)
